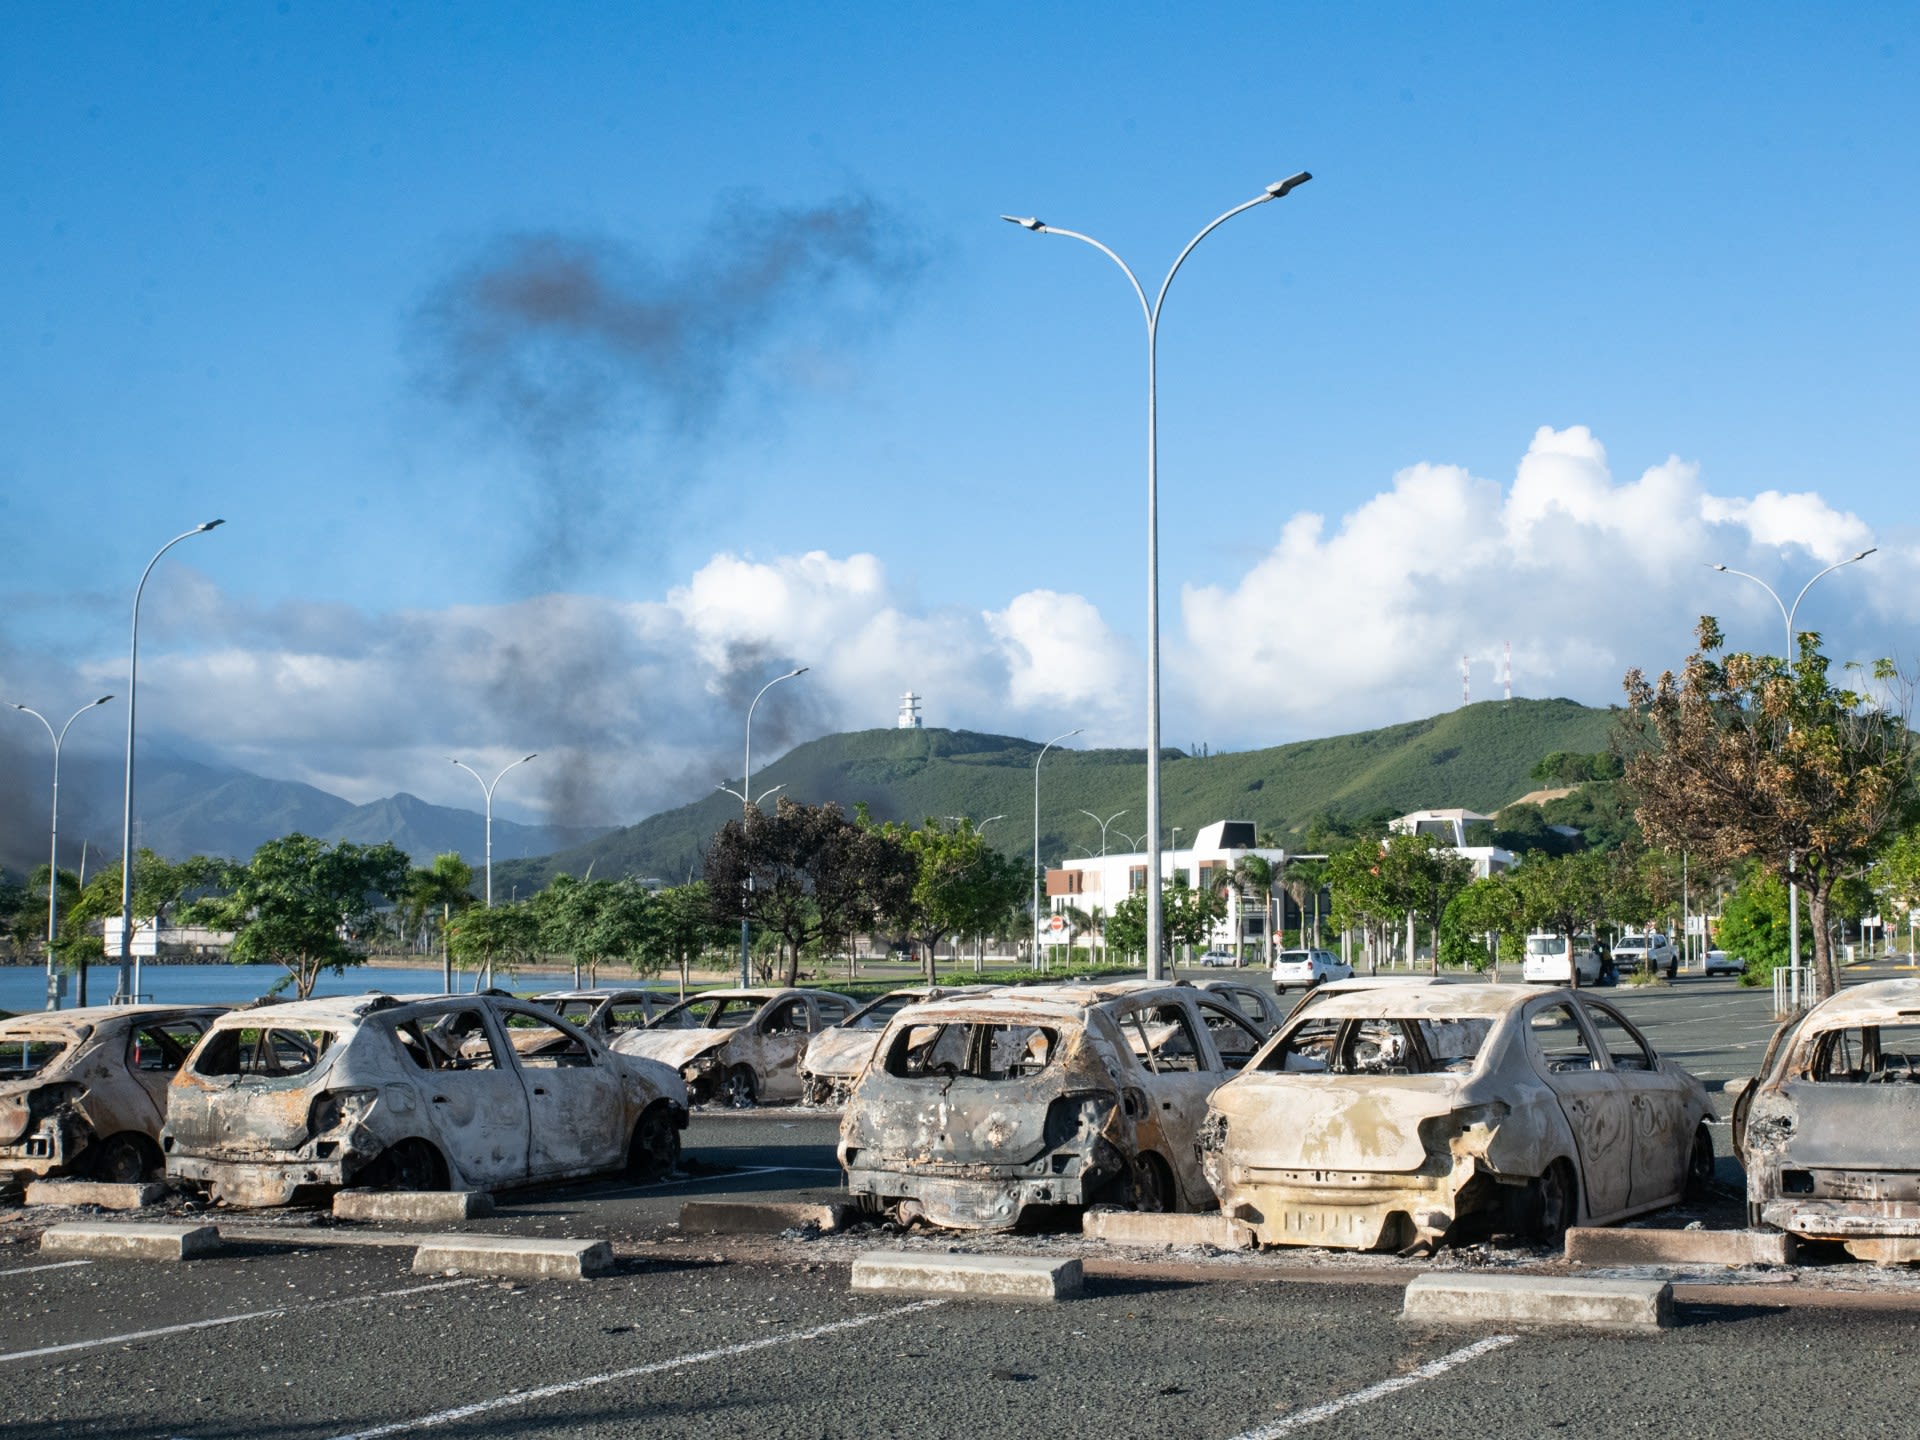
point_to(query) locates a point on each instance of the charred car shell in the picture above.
(975, 1109)
(86, 1090)
(738, 1046)
(1387, 1117)
(834, 1058)
(414, 1094)
(1829, 1130)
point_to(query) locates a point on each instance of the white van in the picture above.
(1547, 960)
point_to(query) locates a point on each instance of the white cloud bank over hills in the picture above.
(635, 706)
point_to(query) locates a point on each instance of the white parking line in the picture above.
(305, 1308)
(611, 1377)
(1433, 1369)
(50, 1265)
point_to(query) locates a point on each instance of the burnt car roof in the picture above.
(1420, 1001)
(43, 1020)
(339, 1010)
(605, 992)
(1864, 1004)
(1058, 1000)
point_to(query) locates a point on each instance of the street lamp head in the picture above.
(211, 525)
(1864, 553)
(1721, 568)
(103, 699)
(1288, 185)
(1025, 222)
(524, 758)
(801, 671)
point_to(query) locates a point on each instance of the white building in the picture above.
(1097, 883)
(1449, 827)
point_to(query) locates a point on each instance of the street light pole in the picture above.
(1036, 839)
(745, 790)
(127, 989)
(53, 845)
(487, 790)
(1151, 312)
(1787, 614)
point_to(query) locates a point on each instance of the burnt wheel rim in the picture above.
(740, 1087)
(1553, 1198)
(1149, 1186)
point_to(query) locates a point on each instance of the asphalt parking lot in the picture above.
(299, 1335)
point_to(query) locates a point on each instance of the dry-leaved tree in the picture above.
(1743, 756)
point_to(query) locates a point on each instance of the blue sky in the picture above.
(1581, 297)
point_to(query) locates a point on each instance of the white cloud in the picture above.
(1344, 624)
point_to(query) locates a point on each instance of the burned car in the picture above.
(605, 1013)
(738, 1046)
(1829, 1130)
(835, 1057)
(1404, 1115)
(1259, 1006)
(976, 1109)
(85, 1091)
(470, 1092)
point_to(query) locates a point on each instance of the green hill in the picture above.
(1477, 756)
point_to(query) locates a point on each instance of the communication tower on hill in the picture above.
(909, 712)
(1466, 682)
(1509, 699)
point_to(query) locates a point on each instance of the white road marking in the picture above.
(304, 1308)
(612, 1377)
(1433, 1369)
(50, 1265)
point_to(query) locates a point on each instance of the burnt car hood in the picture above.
(965, 1122)
(671, 1047)
(1334, 1122)
(839, 1053)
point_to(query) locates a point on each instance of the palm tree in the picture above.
(1256, 872)
(1303, 878)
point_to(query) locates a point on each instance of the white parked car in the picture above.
(1307, 968)
(1215, 958)
(1719, 962)
(1653, 953)
(1546, 962)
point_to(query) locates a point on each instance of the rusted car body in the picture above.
(1388, 1117)
(85, 1091)
(975, 1109)
(471, 1092)
(1264, 1009)
(833, 1059)
(1829, 1130)
(738, 1047)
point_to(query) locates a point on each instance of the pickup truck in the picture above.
(1652, 952)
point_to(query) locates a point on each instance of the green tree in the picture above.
(1753, 923)
(1489, 905)
(957, 888)
(434, 893)
(303, 904)
(1564, 895)
(160, 888)
(481, 939)
(1747, 757)
(685, 927)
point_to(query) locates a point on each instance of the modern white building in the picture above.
(1097, 883)
(1449, 827)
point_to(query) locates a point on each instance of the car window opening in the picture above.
(24, 1059)
(729, 1014)
(982, 1051)
(270, 1052)
(1381, 1046)
(1867, 1055)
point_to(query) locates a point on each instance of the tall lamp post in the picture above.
(53, 845)
(1151, 311)
(487, 790)
(1787, 613)
(1036, 838)
(127, 989)
(746, 804)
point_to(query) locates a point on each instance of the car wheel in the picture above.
(1279, 989)
(742, 1088)
(410, 1165)
(1152, 1184)
(125, 1160)
(1700, 1166)
(1552, 1204)
(655, 1149)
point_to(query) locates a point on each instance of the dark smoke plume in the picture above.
(601, 364)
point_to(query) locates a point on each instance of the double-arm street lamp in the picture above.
(53, 846)
(1103, 824)
(1036, 838)
(487, 790)
(742, 795)
(127, 989)
(1151, 311)
(1787, 614)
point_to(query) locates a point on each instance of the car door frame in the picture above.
(1657, 1112)
(1594, 1105)
(1173, 1103)
(558, 1094)
(462, 1103)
